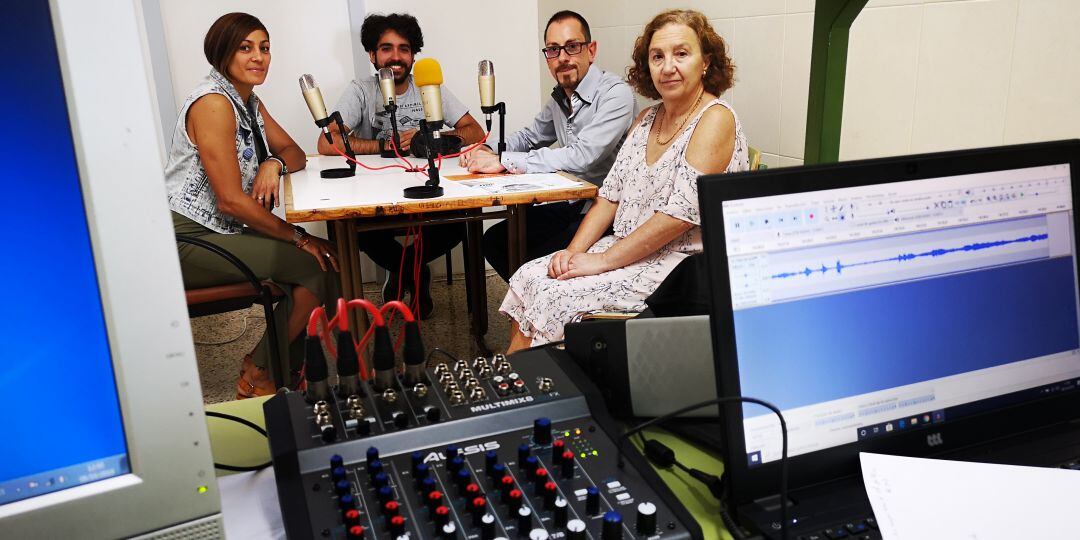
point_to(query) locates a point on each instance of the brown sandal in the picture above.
(250, 372)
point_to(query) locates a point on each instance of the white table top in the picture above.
(310, 197)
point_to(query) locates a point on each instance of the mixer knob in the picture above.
(401, 420)
(540, 478)
(448, 531)
(542, 431)
(463, 374)
(523, 453)
(519, 387)
(478, 362)
(538, 534)
(421, 471)
(389, 395)
(427, 485)
(363, 428)
(561, 512)
(433, 413)
(531, 464)
(462, 478)
(567, 465)
(646, 519)
(513, 500)
(472, 490)
(352, 401)
(380, 480)
(321, 407)
(497, 472)
(374, 466)
(471, 384)
(347, 502)
(491, 457)
(355, 532)
(545, 384)
(575, 529)
(416, 458)
(391, 509)
(557, 448)
(357, 412)
(502, 389)
(442, 515)
(385, 493)
(484, 372)
(460, 365)
(434, 499)
(328, 432)
(550, 491)
(336, 461)
(612, 526)
(445, 378)
(524, 518)
(487, 527)
(372, 454)
(506, 483)
(352, 517)
(397, 526)
(420, 390)
(341, 487)
(455, 464)
(337, 473)
(478, 507)
(451, 451)
(592, 501)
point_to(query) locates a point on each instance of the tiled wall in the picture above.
(923, 75)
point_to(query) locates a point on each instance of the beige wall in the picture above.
(922, 75)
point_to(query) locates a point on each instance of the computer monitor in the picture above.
(909, 305)
(104, 435)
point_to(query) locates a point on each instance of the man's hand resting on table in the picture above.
(482, 160)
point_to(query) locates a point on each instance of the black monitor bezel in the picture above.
(747, 484)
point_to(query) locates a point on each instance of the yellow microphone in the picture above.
(428, 77)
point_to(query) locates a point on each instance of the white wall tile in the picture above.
(758, 57)
(965, 57)
(882, 3)
(790, 162)
(757, 8)
(611, 52)
(799, 6)
(879, 92)
(726, 29)
(1045, 87)
(640, 12)
(795, 83)
(770, 161)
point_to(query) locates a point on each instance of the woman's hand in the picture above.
(322, 250)
(584, 264)
(559, 264)
(267, 181)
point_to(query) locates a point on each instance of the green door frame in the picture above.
(828, 67)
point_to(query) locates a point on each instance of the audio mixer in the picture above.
(483, 449)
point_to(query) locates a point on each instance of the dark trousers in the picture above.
(386, 251)
(548, 228)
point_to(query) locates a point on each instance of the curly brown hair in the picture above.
(721, 71)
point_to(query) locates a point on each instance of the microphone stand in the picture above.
(344, 172)
(500, 108)
(430, 188)
(395, 138)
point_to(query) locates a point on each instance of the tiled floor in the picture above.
(221, 341)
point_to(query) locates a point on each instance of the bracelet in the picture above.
(284, 169)
(300, 236)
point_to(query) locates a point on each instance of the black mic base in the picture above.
(388, 153)
(423, 192)
(344, 172)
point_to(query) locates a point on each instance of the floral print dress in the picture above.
(542, 306)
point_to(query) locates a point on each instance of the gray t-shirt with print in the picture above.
(362, 110)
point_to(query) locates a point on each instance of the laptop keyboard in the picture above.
(859, 529)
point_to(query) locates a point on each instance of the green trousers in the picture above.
(270, 259)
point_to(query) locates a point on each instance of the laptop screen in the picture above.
(864, 312)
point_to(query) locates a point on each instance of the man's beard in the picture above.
(405, 71)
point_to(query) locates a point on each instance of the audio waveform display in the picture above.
(839, 266)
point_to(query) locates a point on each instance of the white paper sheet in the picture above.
(249, 504)
(928, 499)
(500, 185)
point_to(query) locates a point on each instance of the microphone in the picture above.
(428, 77)
(314, 99)
(486, 79)
(386, 84)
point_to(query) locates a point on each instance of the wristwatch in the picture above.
(284, 169)
(300, 236)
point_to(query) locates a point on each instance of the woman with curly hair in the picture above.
(650, 196)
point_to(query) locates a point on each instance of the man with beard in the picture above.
(391, 41)
(589, 114)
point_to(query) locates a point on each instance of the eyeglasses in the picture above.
(571, 49)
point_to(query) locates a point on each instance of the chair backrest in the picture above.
(755, 159)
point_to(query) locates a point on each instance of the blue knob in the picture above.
(612, 526)
(462, 477)
(456, 464)
(451, 451)
(385, 493)
(336, 461)
(338, 473)
(531, 464)
(523, 452)
(347, 502)
(374, 467)
(422, 471)
(427, 485)
(498, 471)
(542, 431)
(380, 480)
(417, 458)
(342, 487)
(372, 454)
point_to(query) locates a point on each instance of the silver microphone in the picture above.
(315, 103)
(486, 80)
(386, 84)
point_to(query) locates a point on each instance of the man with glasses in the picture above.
(588, 114)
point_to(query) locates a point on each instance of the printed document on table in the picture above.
(513, 183)
(928, 499)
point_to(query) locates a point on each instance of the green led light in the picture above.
(566, 434)
(595, 453)
(583, 455)
(202, 489)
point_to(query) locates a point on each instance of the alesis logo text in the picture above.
(934, 439)
(468, 450)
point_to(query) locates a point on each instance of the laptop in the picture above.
(919, 306)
